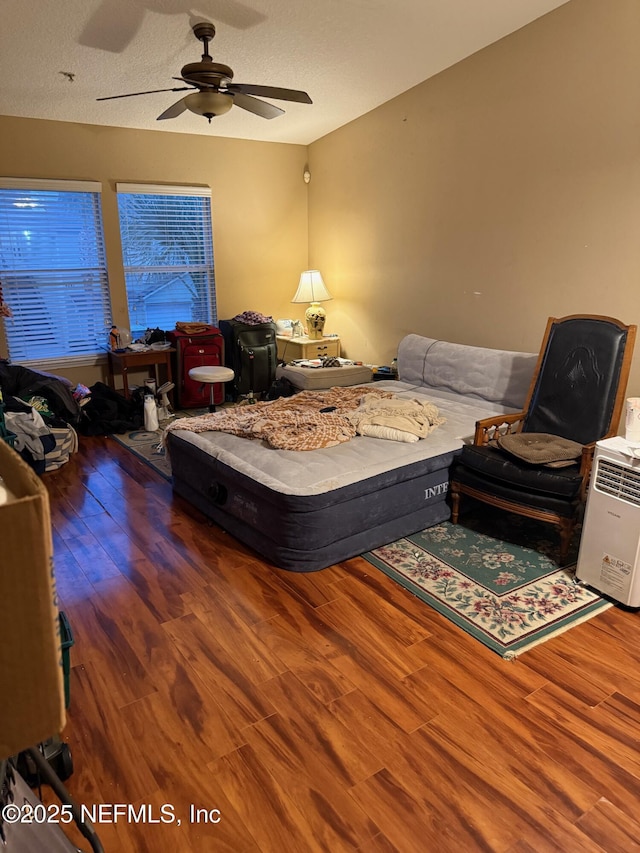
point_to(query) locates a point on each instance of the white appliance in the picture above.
(609, 557)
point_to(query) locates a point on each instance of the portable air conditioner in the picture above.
(609, 556)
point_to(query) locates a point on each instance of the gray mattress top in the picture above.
(319, 471)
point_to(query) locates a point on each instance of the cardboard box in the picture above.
(31, 675)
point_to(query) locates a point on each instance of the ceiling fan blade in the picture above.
(174, 110)
(253, 105)
(150, 92)
(270, 92)
(202, 84)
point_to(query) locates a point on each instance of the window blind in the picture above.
(167, 249)
(53, 268)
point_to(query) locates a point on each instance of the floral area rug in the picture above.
(495, 577)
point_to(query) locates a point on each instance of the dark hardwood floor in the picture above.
(324, 712)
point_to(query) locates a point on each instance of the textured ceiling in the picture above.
(351, 56)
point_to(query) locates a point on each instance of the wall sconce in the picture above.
(306, 175)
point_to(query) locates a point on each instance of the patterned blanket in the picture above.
(307, 421)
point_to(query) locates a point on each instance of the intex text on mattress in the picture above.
(304, 511)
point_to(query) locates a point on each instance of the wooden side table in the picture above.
(292, 349)
(121, 361)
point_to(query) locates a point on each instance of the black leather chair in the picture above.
(577, 393)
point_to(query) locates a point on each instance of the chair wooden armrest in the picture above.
(586, 461)
(490, 428)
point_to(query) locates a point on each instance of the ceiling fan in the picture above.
(214, 93)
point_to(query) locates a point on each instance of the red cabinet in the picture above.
(204, 348)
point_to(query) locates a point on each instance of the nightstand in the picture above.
(292, 349)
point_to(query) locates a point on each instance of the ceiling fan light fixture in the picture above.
(216, 92)
(209, 104)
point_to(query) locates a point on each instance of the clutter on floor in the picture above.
(39, 413)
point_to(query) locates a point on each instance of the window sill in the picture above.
(52, 364)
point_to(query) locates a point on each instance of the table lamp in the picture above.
(311, 288)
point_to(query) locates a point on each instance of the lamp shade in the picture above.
(311, 288)
(209, 104)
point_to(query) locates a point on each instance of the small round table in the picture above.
(211, 376)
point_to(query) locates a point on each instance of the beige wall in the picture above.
(503, 191)
(259, 201)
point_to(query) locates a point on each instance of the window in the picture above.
(53, 269)
(167, 247)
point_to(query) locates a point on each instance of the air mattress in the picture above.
(306, 510)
